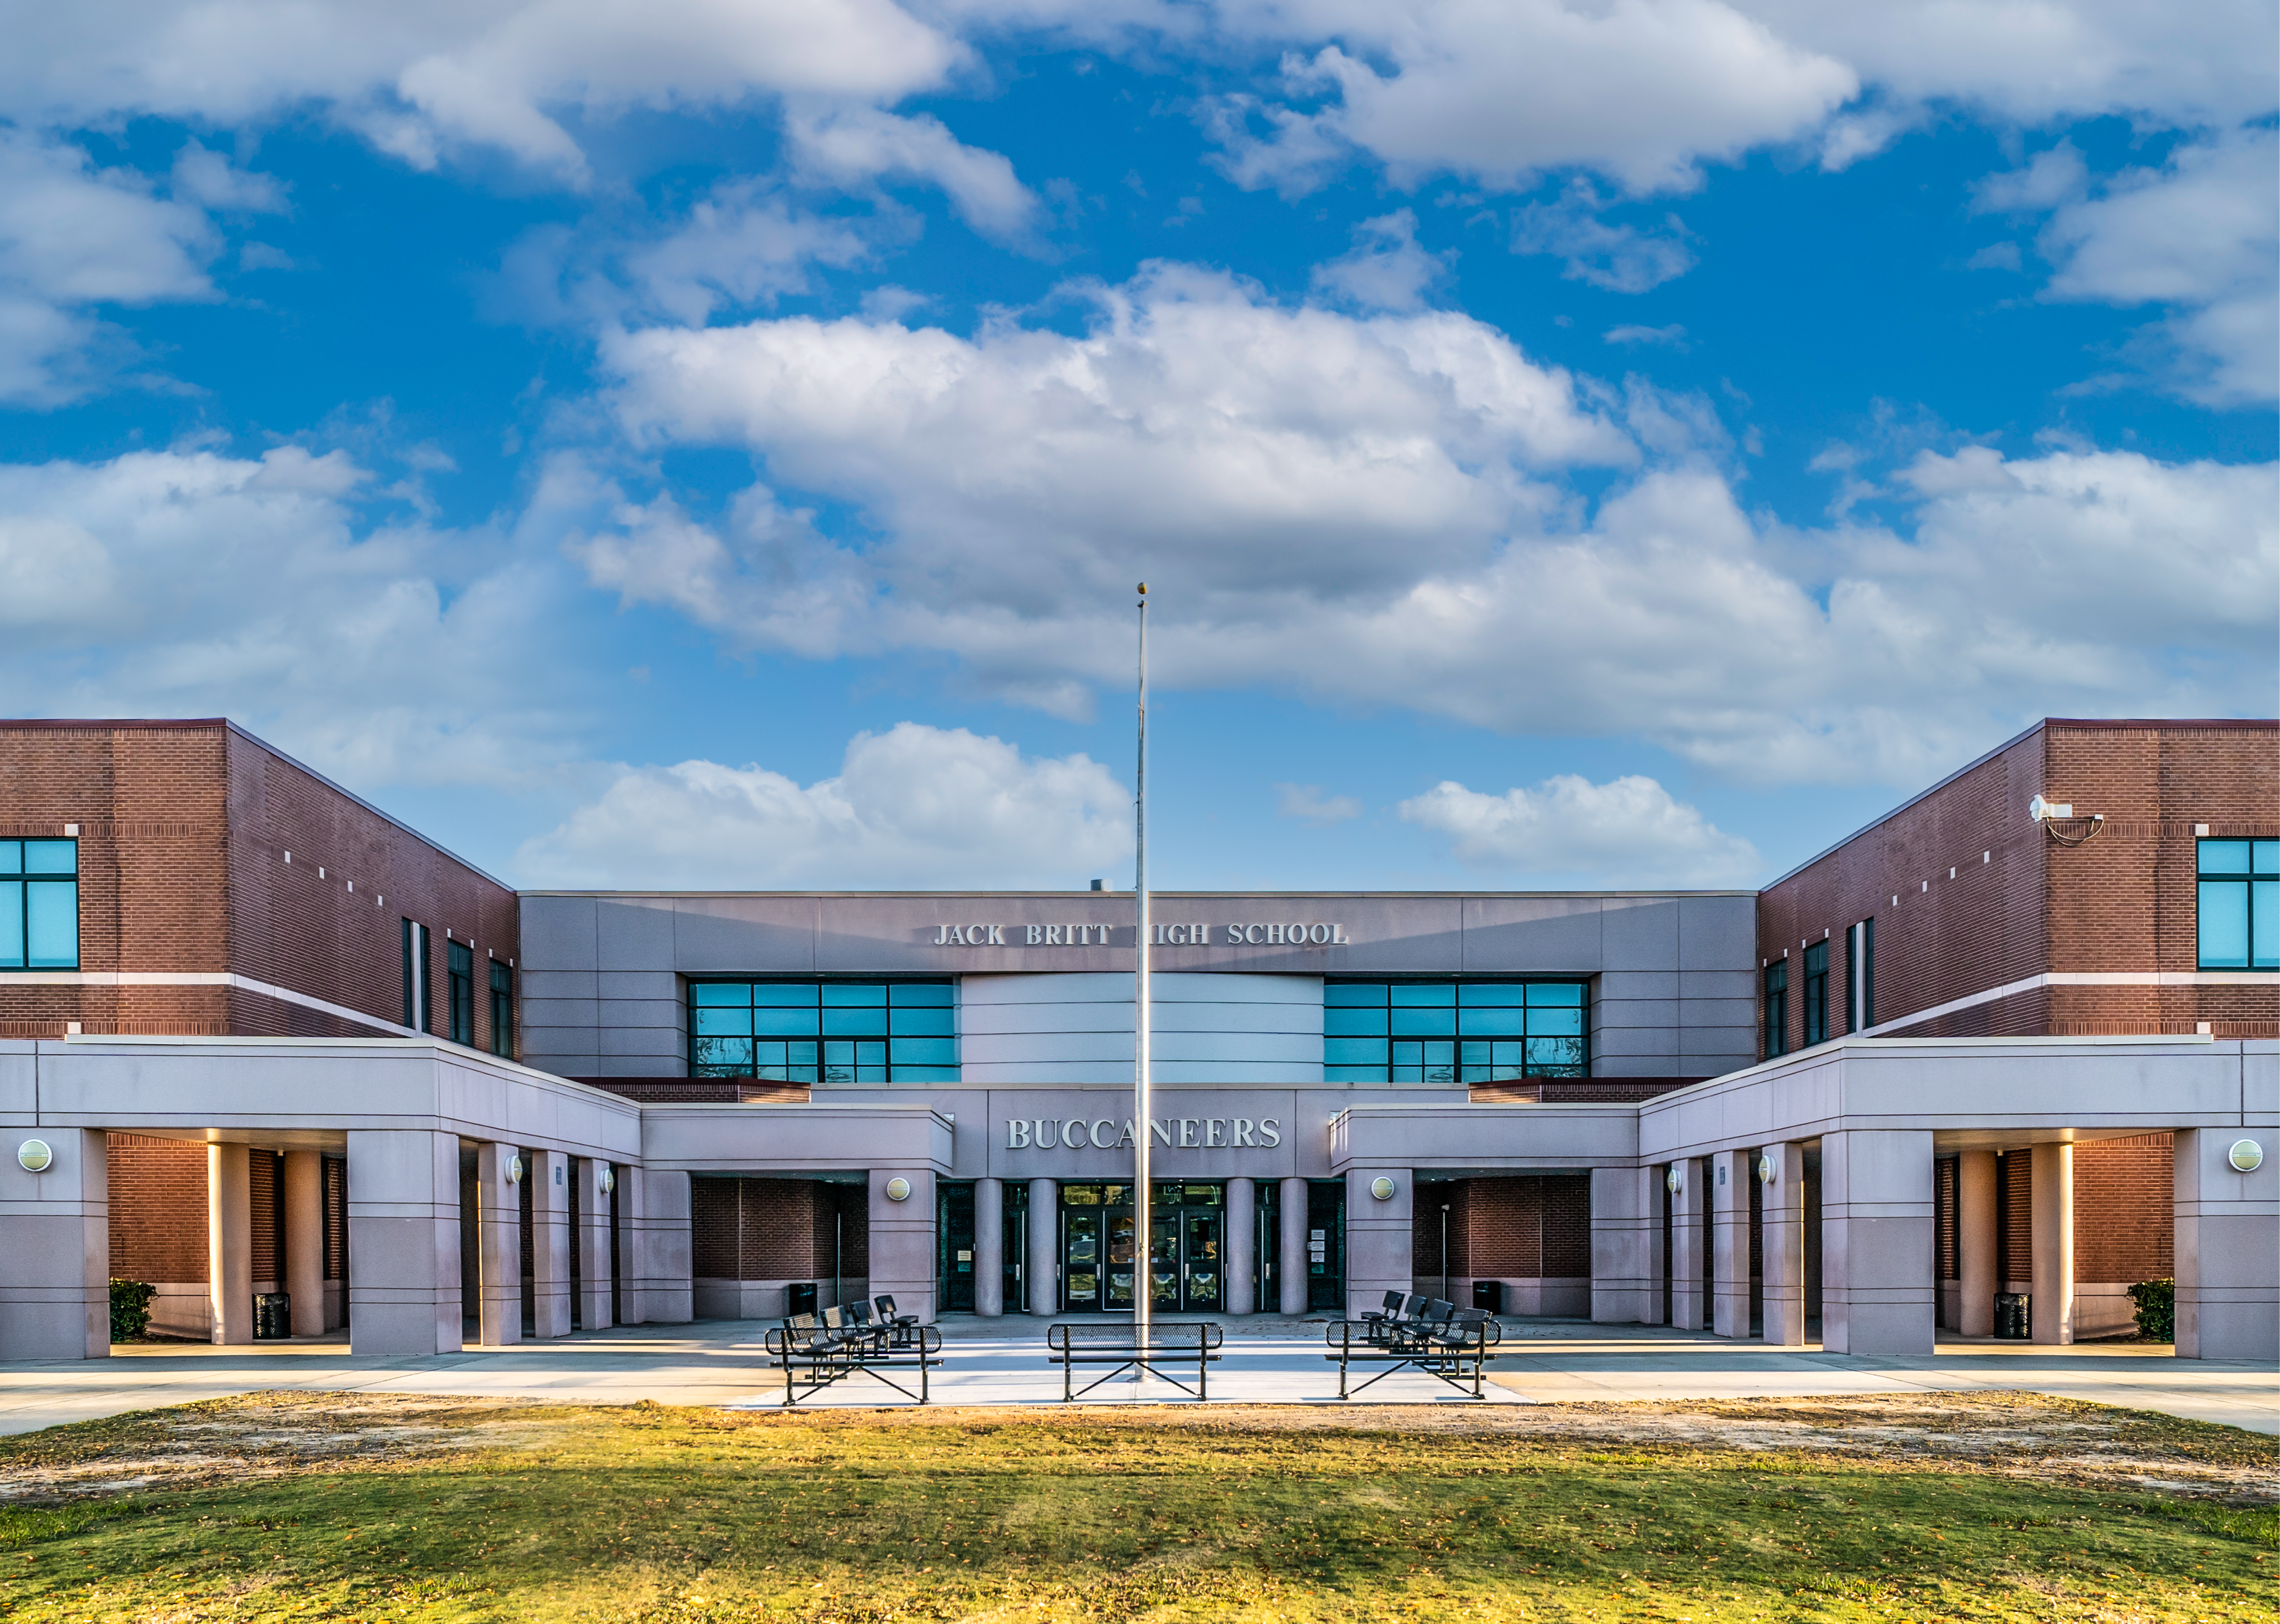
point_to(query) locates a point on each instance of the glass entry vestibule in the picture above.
(1187, 1253)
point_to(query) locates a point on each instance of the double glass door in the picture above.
(1188, 1246)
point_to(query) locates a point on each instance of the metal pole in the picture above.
(1144, 1228)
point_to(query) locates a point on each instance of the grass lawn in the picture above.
(349, 1506)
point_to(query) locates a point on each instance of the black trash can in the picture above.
(273, 1316)
(1489, 1294)
(2014, 1316)
(800, 1297)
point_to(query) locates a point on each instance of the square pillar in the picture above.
(303, 1218)
(498, 1175)
(594, 1245)
(1690, 1213)
(1294, 1247)
(1783, 1218)
(1620, 1286)
(2228, 1234)
(1977, 1242)
(550, 1243)
(989, 1248)
(1236, 1262)
(633, 1293)
(2052, 1276)
(903, 1241)
(55, 1271)
(229, 1243)
(1877, 1293)
(404, 1242)
(667, 1250)
(1044, 1247)
(1378, 1257)
(1729, 1243)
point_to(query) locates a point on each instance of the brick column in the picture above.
(989, 1248)
(55, 1271)
(593, 1245)
(1784, 1217)
(549, 1237)
(1690, 1210)
(1977, 1227)
(1294, 1246)
(1236, 1259)
(1622, 1288)
(229, 1243)
(2227, 1233)
(903, 1242)
(404, 1242)
(303, 1219)
(1876, 1292)
(1044, 1247)
(2052, 1277)
(1729, 1243)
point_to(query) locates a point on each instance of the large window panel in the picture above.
(850, 1034)
(2238, 904)
(1448, 1034)
(39, 904)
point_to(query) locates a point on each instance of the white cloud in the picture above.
(1621, 258)
(1387, 269)
(740, 246)
(851, 146)
(209, 179)
(1673, 336)
(913, 806)
(1629, 827)
(1308, 804)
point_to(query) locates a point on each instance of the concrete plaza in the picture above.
(1268, 1360)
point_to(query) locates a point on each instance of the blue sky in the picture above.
(710, 445)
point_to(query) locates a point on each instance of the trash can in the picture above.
(800, 1297)
(1489, 1294)
(273, 1316)
(2014, 1316)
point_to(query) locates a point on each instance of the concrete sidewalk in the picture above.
(1268, 1360)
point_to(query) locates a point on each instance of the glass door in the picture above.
(1164, 1259)
(1120, 1226)
(1080, 1249)
(954, 1266)
(1203, 1285)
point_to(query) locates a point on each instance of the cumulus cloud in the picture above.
(851, 146)
(1387, 268)
(1630, 827)
(1620, 258)
(914, 806)
(1308, 804)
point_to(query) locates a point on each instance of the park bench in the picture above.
(1451, 1345)
(1120, 1345)
(815, 1356)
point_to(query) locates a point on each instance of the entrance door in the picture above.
(1187, 1248)
(954, 1267)
(1203, 1280)
(1081, 1240)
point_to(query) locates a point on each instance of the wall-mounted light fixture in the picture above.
(2247, 1156)
(34, 1156)
(1672, 1179)
(898, 1189)
(514, 1168)
(1767, 1168)
(608, 1179)
(1381, 1187)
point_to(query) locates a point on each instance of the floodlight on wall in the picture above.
(1767, 1168)
(1381, 1187)
(898, 1189)
(34, 1156)
(2247, 1156)
(2043, 812)
(2051, 813)
(514, 1168)
(1672, 1179)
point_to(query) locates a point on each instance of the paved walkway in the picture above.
(1268, 1360)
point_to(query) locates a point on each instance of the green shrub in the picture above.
(2157, 1309)
(130, 1309)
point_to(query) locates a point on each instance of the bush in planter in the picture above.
(130, 1309)
(2157, 1309)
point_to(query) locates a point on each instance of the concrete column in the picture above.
(667, 1248)
(1294, 1247)
(303, 1218)
(1378, 1256)
(1690, 1210)
(1236, 1247)
(593, 1245)
(1977, 1232)
(404, 1242)
(1650, 1207)
(2053, 1279)
(1622, 1288)
(499, 1292)
(55, 1271)
(1784, 1218)
(1729, 1243)
(550, 1243)
(229, 1243)
(633, 1289)
(989, 1248)
(2227, 1233)
(903, 1242)
(1876, 1207)
(1044, 1247)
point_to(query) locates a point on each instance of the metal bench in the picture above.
(1118, 1344)
(1455, 1348)
(813, 1357)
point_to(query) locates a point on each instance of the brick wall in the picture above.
(2124, 1227)
(158, 1209)
(774, 1228)
(1526, 1227)
(2014, 1192)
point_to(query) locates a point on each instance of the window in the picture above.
(459, 984)
(1860, 976)
(1776, 1009)
(39, 904)
(2239, 905)
(417, 987)
(502, 1010)
(861, 1032)
(1446, 1032)
(1816, 994)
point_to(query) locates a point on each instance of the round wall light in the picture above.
(609, 1179)
(2247, 1156)
(1381, 1187)
(34, 1156)
(514, 1169)
(1672, 1180)
(898, 1189)
(1766, 1167)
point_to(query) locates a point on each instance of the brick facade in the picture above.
(1529, 1227)
(777, 1230)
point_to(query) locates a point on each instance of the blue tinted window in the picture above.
(1446, 1033)
(2238, 916)
(860, 1034)
(39, 904)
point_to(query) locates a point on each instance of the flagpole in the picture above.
(1142, 1190)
